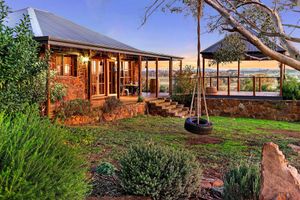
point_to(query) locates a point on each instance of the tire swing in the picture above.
(197, 124)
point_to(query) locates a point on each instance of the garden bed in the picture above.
(233, 141)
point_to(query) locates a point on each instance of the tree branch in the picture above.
(254, 39)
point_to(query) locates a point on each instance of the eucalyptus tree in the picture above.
(259, 21)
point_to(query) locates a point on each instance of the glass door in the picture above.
(98, 78)
(112, 77)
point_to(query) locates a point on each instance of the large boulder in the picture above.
(279, 179)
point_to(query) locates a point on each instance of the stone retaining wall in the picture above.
(124, 111)
(260, 109)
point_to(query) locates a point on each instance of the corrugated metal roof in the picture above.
(46, 24)
(250, 48)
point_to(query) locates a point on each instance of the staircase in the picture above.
(167, 108)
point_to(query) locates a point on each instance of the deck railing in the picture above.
(251, 84)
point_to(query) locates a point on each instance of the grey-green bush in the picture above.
(106, 169)
(159, 172)
(35, 162)
(242, 183)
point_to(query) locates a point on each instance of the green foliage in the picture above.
(291, 89)
(76, 107)
(184, 81)
(35, 161)
(183, 99)
(111, 104)
(58, 92)
(232, 49)
(161, 173)
(140, 99)
(106, 169)
(22, 71)
(242, 183)
(184, 86)
(163, 88)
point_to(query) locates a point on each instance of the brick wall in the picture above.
(76, 86)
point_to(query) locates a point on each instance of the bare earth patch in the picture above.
(119, 198)
(289, 133)
(203, 139)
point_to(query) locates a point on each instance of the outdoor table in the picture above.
(132, 88)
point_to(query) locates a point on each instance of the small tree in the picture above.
(22, 71)
(232, 49)
(184, 81)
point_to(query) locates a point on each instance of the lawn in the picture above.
(233, 141)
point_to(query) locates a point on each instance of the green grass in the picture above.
(241, 139)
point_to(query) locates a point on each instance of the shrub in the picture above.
(291, 89)
(140, 99)
(161, 173)
(111, 104)
(76, 107)
(22, 70)
(35, 161)
(163, 88)
(58, 92)
(106, 169)
(184, 81)
(242, 183)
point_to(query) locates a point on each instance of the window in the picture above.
(66, 65)
(98, 77)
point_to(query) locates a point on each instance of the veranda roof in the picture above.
(251, 50)
(50, 28)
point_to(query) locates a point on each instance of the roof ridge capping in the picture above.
(35, 25)
(29, 7)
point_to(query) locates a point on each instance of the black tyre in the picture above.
(203, 128)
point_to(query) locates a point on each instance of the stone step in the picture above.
(174, 103)
(180, 106)
(168, 100)
(185, 109)
(170, 107)
(156, 101)
(173, 112)
(182, 114)
(163, 105)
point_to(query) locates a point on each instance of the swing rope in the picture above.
(199, 84)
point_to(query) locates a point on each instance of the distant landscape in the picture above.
(271, 83)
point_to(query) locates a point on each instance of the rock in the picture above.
(295, 148)
(211, 182)
(242, 107)
(282, 196)
(279, 179)
(218, 183)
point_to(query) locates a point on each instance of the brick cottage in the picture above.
(92, 66)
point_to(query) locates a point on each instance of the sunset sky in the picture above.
(167, 33)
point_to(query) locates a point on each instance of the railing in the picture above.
(251, 84)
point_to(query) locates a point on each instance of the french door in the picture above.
(98, 78)
(112, 77)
